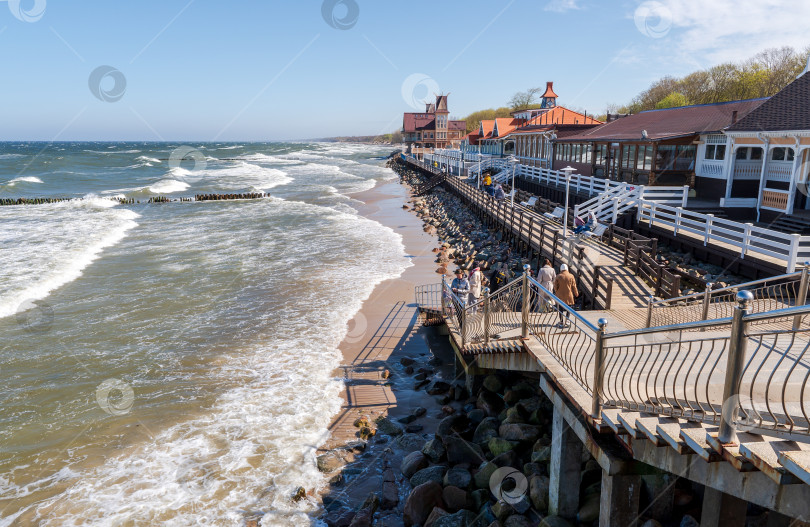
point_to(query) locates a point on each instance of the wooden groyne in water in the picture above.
(132, 201)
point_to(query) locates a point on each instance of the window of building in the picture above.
(782, 154)
(716, 152)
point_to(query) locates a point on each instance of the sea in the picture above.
(174, 363)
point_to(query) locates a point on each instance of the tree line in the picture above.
(762, 75)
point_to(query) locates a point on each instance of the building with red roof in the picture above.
(432, 128)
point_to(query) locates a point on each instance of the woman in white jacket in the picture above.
(546, 276)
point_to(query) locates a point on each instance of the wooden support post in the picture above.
(564, 470)
(618, 506)
(722, 510)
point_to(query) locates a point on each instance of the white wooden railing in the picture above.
(745, 237)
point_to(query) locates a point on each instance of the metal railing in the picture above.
(732, 373)
(769, 294)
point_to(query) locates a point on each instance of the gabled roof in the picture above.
(485, 130)
(472, 138)
(504, 126)
(670, 122)
(562, 115)
(413, 122)
(787, 110)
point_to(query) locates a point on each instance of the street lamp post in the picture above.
(513, 160)
(567, 171)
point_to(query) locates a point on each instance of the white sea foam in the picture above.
(256, 444)
(10, 156)
(44, 257)
(24, 179)
(147, 159)
(168, 186)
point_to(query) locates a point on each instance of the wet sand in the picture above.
(387, 326)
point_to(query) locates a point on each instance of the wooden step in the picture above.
(695, 439)
(670, 432)
(628, 421)
(731, 452)
(649, 427)
(765, 456)
(611, 418)
(798, 463)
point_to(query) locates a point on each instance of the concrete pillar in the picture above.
(659, 495)
(722, 510)
(564, 470)
(618, 505)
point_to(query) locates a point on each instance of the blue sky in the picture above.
(266, 70)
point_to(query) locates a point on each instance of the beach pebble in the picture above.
(518, 432)
(409, 442)
(434, 449)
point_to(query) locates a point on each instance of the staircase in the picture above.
(429, 184)
(791, 225)
(609, 205)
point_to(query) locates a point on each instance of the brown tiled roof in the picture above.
(457, 125)
(412, 122)
(670, 122)
(787, 110)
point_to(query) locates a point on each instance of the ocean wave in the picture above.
(23, 179)
(167, 186)
(11, 156)
(147, 159)
(111, 151)
(35, 269)
(257, 442)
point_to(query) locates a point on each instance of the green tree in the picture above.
(673, 100)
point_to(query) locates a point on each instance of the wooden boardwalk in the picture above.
(597, 264)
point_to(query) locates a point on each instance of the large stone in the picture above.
(538, 492)
(490, 403)
(517, 520)
(413, 463)
(363, 518)
(542, 456)
(688, 521)
(386, 426)
(493, 383)
(457, 477)
(435, 474)
(461, 451)
(435, 514)
(420, 503)
(476, 416)
(502, 510)
(462, 518)
(554, 521)
(533, 469)
(434, 449)
(410, 442)
(390, 492)
(486, 430)
(456, 423)
(500, 446)
(329, 462)
(589, 509)
(437, 388)
(518, 432)
(455, 498)
(485, 471)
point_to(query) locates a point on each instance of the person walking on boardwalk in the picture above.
(461, 287)
(546, 276)
(477, 282)
(565, 288)
(499, 193)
